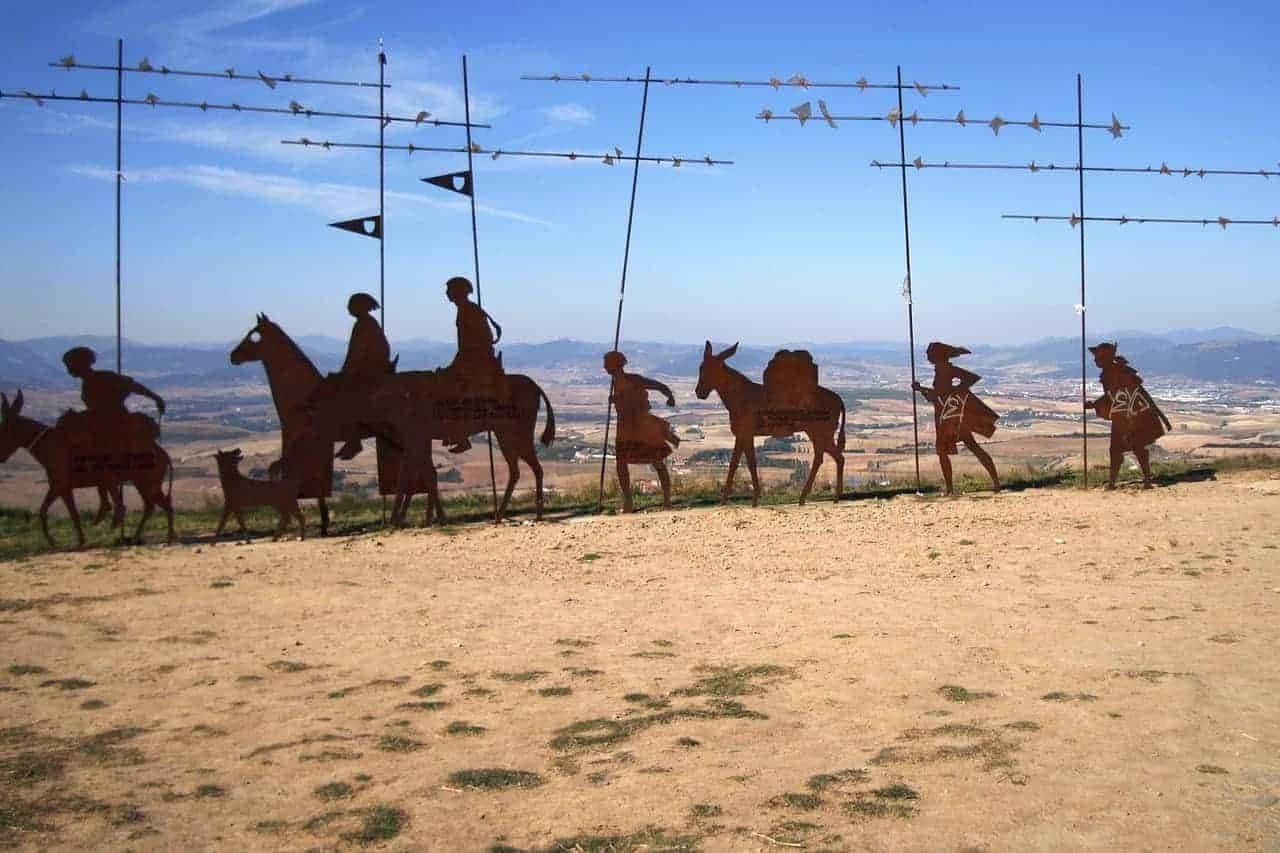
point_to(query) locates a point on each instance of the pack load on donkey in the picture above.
(790, 389)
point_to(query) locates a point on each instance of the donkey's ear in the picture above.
(727, 354)
(17, 403)
(706, 351)
(4, 404)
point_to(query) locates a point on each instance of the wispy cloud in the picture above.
(333, 199)
(187, 21)
(569, 114)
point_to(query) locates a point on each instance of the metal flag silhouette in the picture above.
(450, 182)
(957, 414)
(1136, 420)
(789, 401)
(369, 226)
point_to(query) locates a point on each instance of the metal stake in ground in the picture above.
(475, 254)
(119, 178)
(622, 291)
(1084, 306)
(911, 323)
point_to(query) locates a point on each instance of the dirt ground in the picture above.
(1048, 669)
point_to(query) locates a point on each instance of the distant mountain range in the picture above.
(1223, 354)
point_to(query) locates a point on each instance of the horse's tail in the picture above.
(549, 432)
(840, 438)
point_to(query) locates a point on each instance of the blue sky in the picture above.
(799, 240)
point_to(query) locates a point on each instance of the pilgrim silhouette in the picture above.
(368, 359)
(957, 414)
(643, 438)
(106, 425)
(1136, 420)
(474, 379)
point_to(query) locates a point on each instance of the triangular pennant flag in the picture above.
(1034, 124)
(960, 119)
(1164, 168)
(368, 226)
(458, 182)
(802, 112)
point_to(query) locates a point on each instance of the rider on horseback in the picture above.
(106, 425)
(475, 375)
(368, 358)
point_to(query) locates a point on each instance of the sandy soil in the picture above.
(1044, 670)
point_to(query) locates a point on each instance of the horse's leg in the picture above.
(838, 455)
(244, 531)
(324, 517)
(750, 453)
(302, 521)
(513, 476)
(148, 507)
(49, 498)
(819, 450)
(117, 511)
(69, 499)
(166, 504)
(104, 506)
(531, 459)
(733, 470)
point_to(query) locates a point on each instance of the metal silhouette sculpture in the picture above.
(474, 379)
(794, 403)
(240, 493)
(73, 458)
(643, 438)
(368, 361)
(1136, 420)
(957, 413)
(307, 453)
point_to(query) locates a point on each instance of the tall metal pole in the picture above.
(906, 237)
(382, 188)
(622, 292)
(119, 180)
(475, 253)
(382, 210)
(1084, 413)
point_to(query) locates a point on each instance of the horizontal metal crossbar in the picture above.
(271, 80)
(495, 153)
(796, 81)
(294, 108)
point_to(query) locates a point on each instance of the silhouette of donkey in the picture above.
(750, 415)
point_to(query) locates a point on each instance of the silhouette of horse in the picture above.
(749, 417)
(294, 381)
(53, 448)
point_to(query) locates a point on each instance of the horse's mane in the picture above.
(294, 348)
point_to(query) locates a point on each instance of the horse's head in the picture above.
(250, 349)
(712, 372)
(11, 437)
